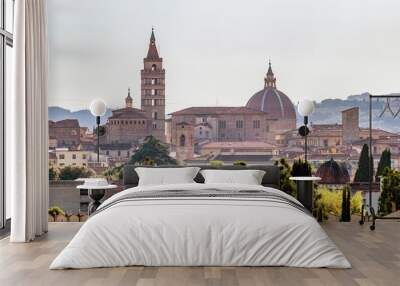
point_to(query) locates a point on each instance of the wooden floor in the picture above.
(375, 257)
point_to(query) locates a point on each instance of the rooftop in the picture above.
(216, 110)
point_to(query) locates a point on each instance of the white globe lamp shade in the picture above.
(98, 107)
(306, 107)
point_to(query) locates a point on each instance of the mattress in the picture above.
(201, 225)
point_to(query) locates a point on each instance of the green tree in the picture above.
(346, 205)
(389, 199)
(70, 173)
(53, 174)
(286, 185)
(362, 173)
(301, 168)
(152, 150)
(384, 162)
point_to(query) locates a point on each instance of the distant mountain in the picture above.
(328, 111)
(85, 118)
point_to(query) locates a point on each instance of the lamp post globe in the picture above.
(98, 108)
(306, 107)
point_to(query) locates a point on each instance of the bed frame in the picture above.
(270, 179)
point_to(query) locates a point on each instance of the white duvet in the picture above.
(200, 231)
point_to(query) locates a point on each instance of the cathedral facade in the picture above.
(130, 125)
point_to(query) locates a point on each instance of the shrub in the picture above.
(286, 185)
(332, 200)
(70, 173)
(356, 203)
(301, 168)
(239, 163)
(389, 200)
(216, 163)
(320, 211)
(53, 174)
(55, 211)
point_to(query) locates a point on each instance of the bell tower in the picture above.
(153, 89)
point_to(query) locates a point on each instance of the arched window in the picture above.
(154, 67)
(182, 141)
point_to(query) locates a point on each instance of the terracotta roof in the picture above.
(238, 144)
(128, 113)
(242, 157)
(274, 102)
(70, 123)
(216, 110)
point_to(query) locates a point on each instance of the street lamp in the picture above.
(305, 108)
(98, 108)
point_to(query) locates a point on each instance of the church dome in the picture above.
(333, 173)
(272, 101)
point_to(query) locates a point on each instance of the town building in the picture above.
(62, 157)
(64, 133)
(267, 113)
(130, 125)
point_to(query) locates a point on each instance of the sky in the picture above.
(217, 52)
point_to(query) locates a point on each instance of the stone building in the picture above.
(184, 137)
(130, 125)
(267, 113)
(64, 133)
(153, 90)
(127, 125)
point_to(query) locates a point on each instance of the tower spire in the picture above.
(270, 80)
(128, 99)
(152, 53)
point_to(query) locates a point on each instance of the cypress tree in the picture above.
(384, 162)
(362, 173)
(346, 196)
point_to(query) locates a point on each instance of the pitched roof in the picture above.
(216, 110)
(238, 145)
(152, 53)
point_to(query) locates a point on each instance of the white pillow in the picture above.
(248, 177)
(166, 176)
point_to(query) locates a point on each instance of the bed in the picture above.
(197, 224)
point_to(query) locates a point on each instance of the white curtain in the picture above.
(28, 150)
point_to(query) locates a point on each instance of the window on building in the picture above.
(239, 123)
(153, 67)
(222, 124)
(61, 157)
(73, 156)
(154, 125)
(119, 153)
(107, 152)
(182, 140)
(326, 142)
(204, 119)
(155, 115)
(84, 156)
(256, 124)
